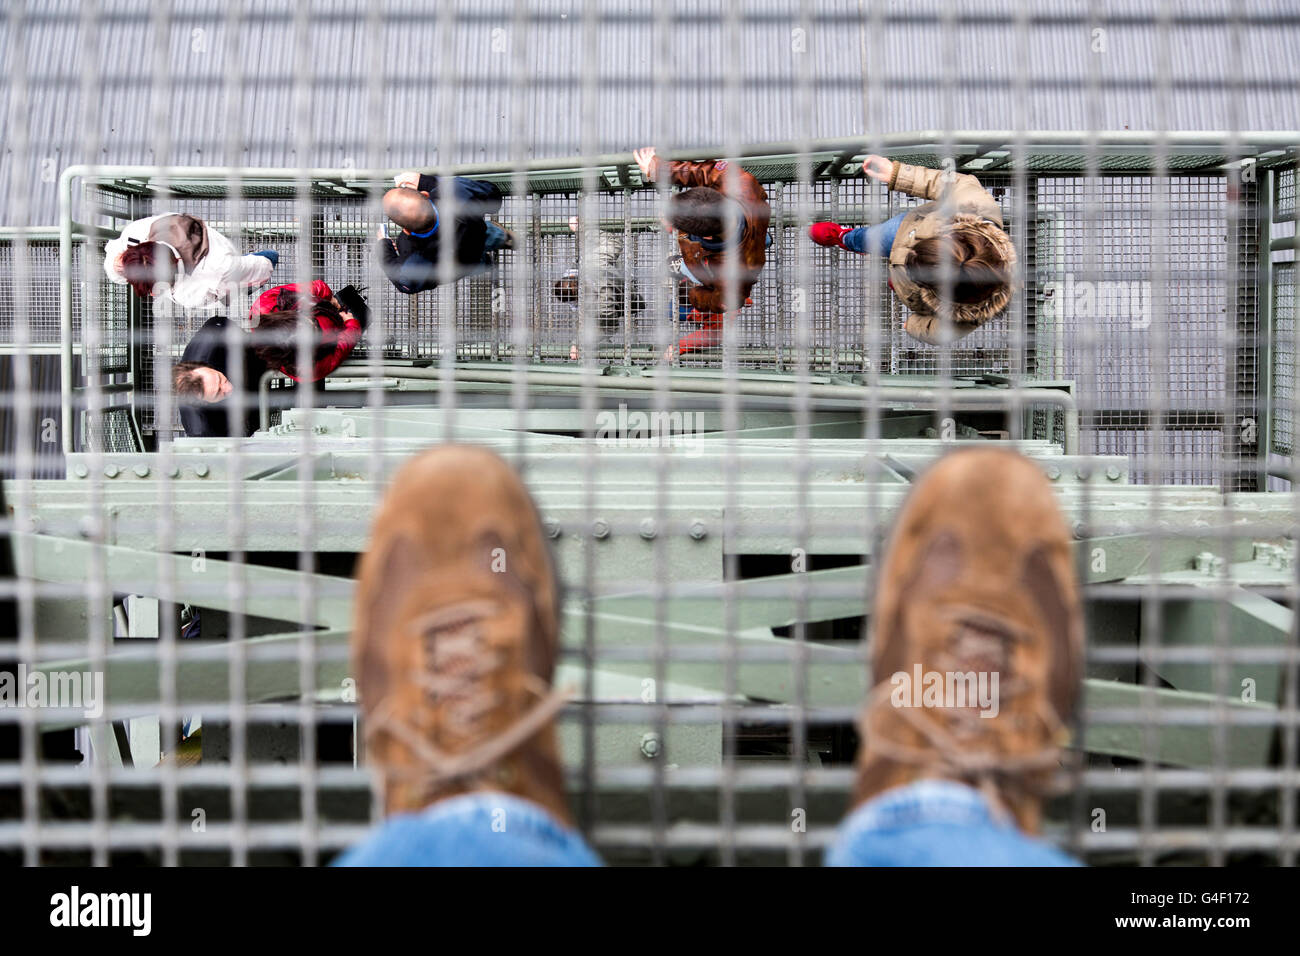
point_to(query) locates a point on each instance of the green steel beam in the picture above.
(1239, 622)
(1176, 732)
(763, 666)
(264, 592)
(1131, 556)
(840, 509)
(814, 394)
(1172, 727)
(762, 460)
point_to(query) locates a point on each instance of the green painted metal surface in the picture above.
(666, 652)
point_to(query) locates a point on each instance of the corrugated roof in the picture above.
(336, 83)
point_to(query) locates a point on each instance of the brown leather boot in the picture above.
(978, 579)
(456, 635)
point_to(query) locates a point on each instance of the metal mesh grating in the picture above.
(1284, 195)
(41, 292)
(720, 574)
(1109, 327)
(110, 430)
(1283, 391)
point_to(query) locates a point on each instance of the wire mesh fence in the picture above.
(850, 322)
(718, 516)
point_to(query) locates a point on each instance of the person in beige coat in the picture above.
(950, 260)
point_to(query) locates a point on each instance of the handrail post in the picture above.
(65, 306)
(264, 398)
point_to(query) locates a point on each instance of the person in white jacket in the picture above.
(176, 255)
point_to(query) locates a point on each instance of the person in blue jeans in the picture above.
(411, 252)
(949, 259)
(976, 648)
(875, 240)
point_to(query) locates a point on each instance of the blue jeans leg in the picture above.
(855, 240)
(477, 829)
(496, 238)
(877, 239)
(935, 823)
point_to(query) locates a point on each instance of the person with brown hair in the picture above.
(721, 221)
(177, 256)
(949, 259)
(202, 381)
(334, 323)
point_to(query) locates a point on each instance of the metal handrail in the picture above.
(750, 388)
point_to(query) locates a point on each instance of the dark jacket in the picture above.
(711, 266)
(208, 347)
(411, 263)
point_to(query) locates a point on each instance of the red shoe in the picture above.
(828, 234)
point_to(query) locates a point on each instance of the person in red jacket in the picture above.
(337, 322)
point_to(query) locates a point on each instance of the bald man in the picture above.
(411, 248)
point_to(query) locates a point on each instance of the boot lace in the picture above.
(461, 680)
